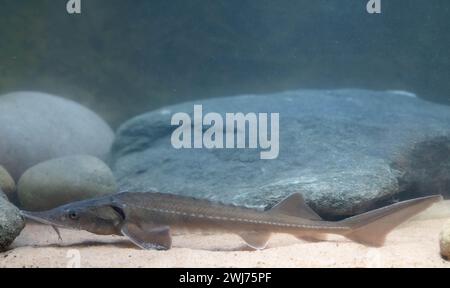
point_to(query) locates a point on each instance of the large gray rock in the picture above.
(35, 127)
(11, 223)
(63, 180)
(346, 151)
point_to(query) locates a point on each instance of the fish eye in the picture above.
(73, 215)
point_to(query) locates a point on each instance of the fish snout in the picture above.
(41, 217)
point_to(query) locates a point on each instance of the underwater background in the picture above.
(346, 130)
(122, 58)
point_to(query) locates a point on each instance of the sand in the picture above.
(414, 244)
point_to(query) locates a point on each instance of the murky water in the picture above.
(122, 58)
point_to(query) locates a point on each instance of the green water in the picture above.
(122, 58)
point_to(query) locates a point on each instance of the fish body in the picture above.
(147, 218)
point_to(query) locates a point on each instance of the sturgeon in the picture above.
(147, 218)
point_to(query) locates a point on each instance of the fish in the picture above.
(147, 219)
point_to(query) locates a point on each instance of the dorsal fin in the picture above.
(294, 205)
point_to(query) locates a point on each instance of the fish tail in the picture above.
(372, 227)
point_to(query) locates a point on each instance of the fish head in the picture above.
(98, 217)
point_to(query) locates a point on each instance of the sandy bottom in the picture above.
(414, 244)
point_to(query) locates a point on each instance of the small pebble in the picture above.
(444, 240)
(7, 183)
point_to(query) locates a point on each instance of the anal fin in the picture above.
(256, 240)
(151, 237)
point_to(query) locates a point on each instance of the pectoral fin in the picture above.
(148, 236)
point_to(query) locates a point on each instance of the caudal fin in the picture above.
(372, 227)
